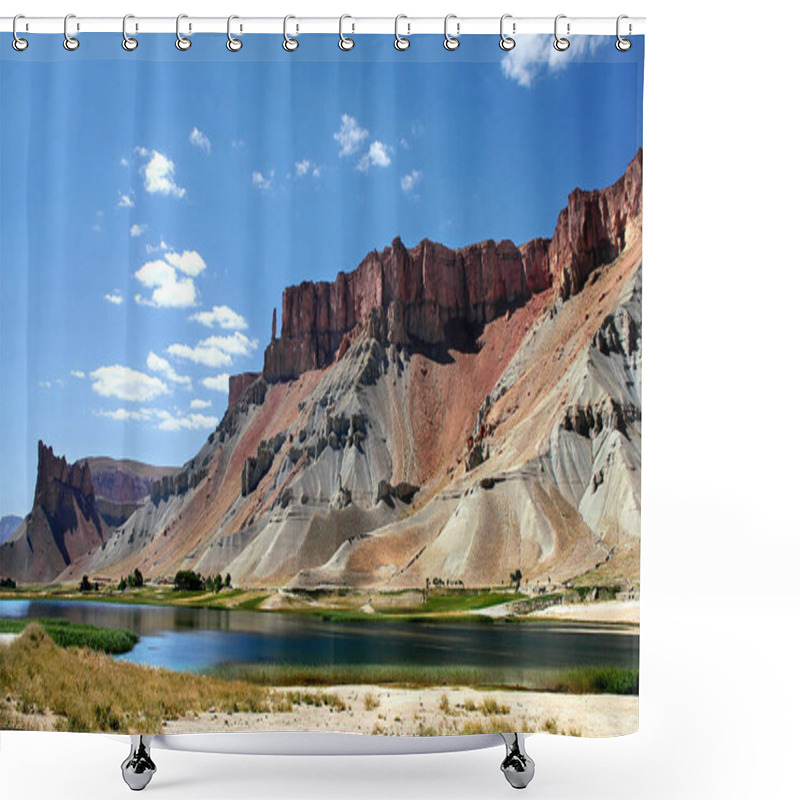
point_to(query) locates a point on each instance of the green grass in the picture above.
(575, 680)
(65, 634)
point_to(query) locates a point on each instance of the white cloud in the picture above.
(190, 262)
(350, 136)
(123, 162)
(45, 384)
(159, 174)
(77, 373)
(125, 200)
(200, 140)
(114, 297)
(189, 422)
(376, 156)
(197, 404)
(157, 364)
(169, 290)
(222, 316)
(260, 182)
(215, 351)
(219, 383)
(207, 356)
(535, 54)
(157, 248)
(126, 384)
(306, 167)
(237, 344)
(127, 414)
(167, 420)
(409, 182)
(138, 230)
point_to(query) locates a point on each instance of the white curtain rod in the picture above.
(407, 26)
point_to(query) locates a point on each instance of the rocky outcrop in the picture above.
(238, 383)
(432, 295)
(593, 228)
(188, 478)
(64, 523)
(257, 466)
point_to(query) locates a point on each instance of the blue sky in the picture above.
(153, 205)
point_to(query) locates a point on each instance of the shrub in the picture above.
(187, 581)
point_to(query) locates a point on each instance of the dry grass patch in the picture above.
(77, 689)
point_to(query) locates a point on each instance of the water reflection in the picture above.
(198, 638)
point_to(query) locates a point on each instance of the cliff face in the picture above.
(238, 383)
(429, 294)
(64, 523)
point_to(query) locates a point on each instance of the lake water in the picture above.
(198, 638)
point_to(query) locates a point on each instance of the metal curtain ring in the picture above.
(622, 44)
(450, 42)
(401, 42)
(181, 42)
(128, 42)
(345, 42)
(18, 43)
(70, 42)
(506, 42)
(233, 44)
(290, 44)
(560, 43)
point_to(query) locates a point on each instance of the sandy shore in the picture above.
(611, 611)
(406, 712)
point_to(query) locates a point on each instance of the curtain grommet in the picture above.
(506, 42)
(451, 43)
(233, 44)
(345, 42)
(561, 43)
(129, 43)
(401, 43)
(182, 42)
(71, 43)
(18, 43)
(622, 44)
(290, 44)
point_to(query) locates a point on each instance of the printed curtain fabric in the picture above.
(321, 385)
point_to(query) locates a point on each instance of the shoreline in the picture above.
(619, 613)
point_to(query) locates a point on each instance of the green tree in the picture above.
(122, 585)
(228, 581)
(137, 579)
(516, 579)
(86, 585)
(187, 581)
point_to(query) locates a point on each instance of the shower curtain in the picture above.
(321, 384)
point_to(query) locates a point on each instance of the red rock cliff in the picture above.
(63, 525)
(56, 479)
(417, 295)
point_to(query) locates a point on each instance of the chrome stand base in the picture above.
(518, 766)
(138, 768)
